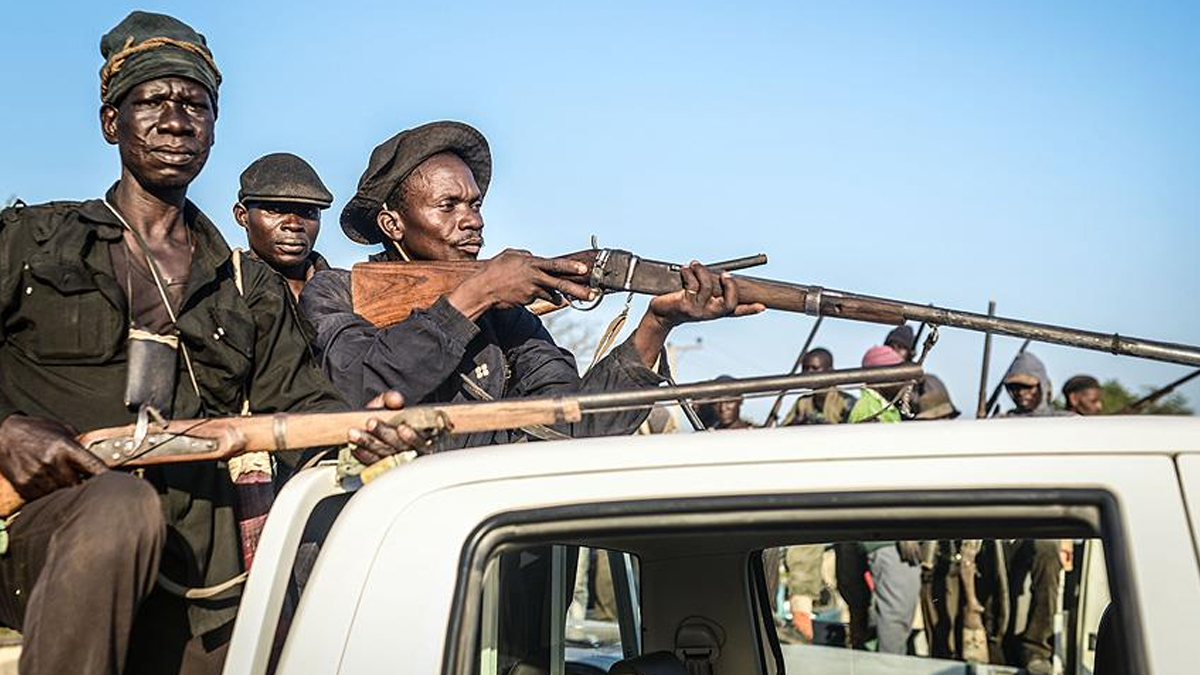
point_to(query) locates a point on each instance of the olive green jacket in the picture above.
(63, 325)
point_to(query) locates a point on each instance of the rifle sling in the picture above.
(538, 431)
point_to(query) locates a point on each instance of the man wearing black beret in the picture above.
(126, 304)
(280, 204)
(421, 196)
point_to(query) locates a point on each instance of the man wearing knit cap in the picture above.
(420, 197)
(279, 204)
(902, 340)
(125, 305)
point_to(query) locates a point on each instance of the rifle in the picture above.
(773, 416)
(387, 292)
(981, 407)
(993, 402)
(1136, 406)
(218, 438)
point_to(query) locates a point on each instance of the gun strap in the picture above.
(610, 334)
(538, 431)
(162, 290)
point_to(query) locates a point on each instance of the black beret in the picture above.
(393, 160)
(902, 336)
(283, 177)
(146, 46)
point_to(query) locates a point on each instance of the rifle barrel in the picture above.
(773, 416)
(1158, 393)
(742, 263)
(817, 300)
(599, 402)
(981, 406)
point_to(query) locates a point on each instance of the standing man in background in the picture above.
(827, 406)
(1082, 394)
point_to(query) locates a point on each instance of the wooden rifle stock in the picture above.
(385, 293)
(224, 437)
(221, 438)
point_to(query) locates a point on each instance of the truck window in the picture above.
(937, 605)
(558, 610)
(793, 584)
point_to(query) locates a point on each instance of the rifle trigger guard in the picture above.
(586, 306)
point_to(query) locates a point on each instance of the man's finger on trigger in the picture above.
(561, 266)
(573, 289)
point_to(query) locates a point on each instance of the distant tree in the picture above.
(570, 333)
(1115, 397)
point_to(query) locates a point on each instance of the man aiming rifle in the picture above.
(420, 197)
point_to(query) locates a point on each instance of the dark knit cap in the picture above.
(1080, 383)
(902, 336)
(283, 177)
(147, 46)
(397, 157)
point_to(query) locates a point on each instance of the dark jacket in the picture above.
(507, 353)
(62, 356)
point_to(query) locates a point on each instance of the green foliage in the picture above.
(1115, 397)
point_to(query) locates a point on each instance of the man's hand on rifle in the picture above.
(704, 296)
(516, 278)
(39, 456)
(381, 439)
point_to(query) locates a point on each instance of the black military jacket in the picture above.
(63, 325)
(506, 353)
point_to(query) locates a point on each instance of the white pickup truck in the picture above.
(464, 563)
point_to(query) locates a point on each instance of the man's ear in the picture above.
(391, 223)
(241, 215)
(108, 123)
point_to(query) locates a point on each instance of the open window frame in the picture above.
(813, 517)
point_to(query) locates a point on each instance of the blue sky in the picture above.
(1044, 155)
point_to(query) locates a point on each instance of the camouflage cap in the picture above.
(146, 46)
(394, 159)
(283, 177)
